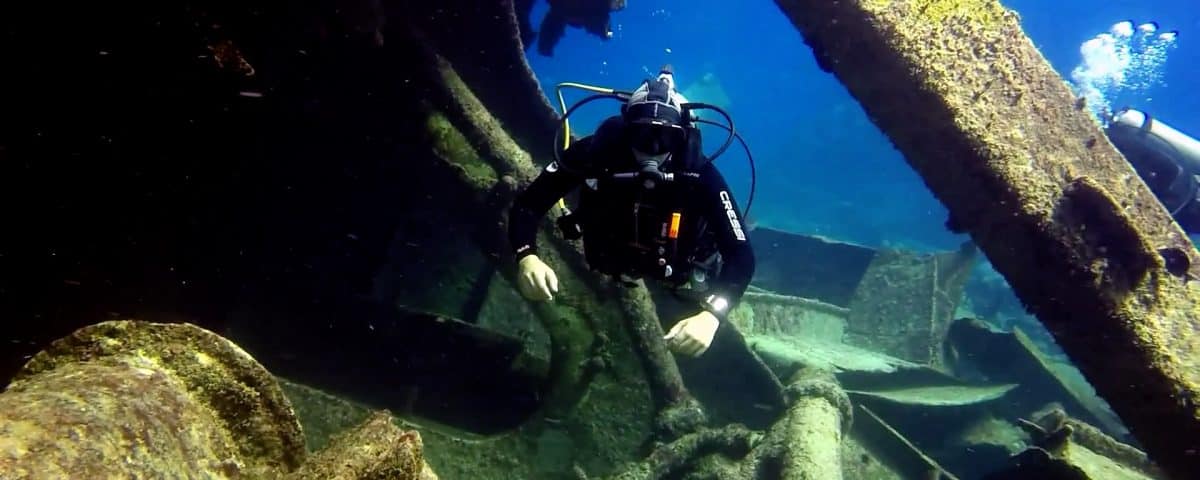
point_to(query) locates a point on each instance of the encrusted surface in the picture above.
(597, 439)
(999, 138)
(75, 422)
(122, 384)
(905, 301)
(376, 449)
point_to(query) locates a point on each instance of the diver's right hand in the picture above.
(535, 279)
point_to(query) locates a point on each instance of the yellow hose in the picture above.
(562, 104)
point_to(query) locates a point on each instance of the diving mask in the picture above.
(656, 138)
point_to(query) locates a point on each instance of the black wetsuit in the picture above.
(627, 228)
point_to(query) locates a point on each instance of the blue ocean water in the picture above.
(822, 167)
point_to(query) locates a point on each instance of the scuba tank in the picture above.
(1165, 158)
(1137, 126)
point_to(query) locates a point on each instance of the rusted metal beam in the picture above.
(1002, 141)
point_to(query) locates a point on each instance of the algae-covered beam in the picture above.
(487, 162)
(810, 434)
(492, 61)
(678, 411)
(1000, 139)
(577, 313)
(805, 444)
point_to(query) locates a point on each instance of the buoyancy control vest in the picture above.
(629, 229)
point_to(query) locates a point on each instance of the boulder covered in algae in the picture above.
(375, 449)
(134, 399)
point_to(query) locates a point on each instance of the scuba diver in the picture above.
(651, 205)
(1167, 160)
(591, 15)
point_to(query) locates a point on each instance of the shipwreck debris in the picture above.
(1013, 357)
(905, 301)
(896, 450)
(939, 396)
(806, 443)
(377, 448)
(983, 117)
(129, 398)
(1067, 449)
(189, 399)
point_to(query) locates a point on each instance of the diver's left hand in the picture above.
(693, 335)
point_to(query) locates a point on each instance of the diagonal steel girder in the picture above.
(1001, 140)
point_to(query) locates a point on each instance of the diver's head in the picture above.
(654, 119)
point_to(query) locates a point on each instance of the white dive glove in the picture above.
(692, 335)
(535, 279)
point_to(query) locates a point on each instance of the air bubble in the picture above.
(1121, 61)
(1122, 29)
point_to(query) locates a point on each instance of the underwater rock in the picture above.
(132, 398)
(322, 415)
(375, 449)
(994, 131)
